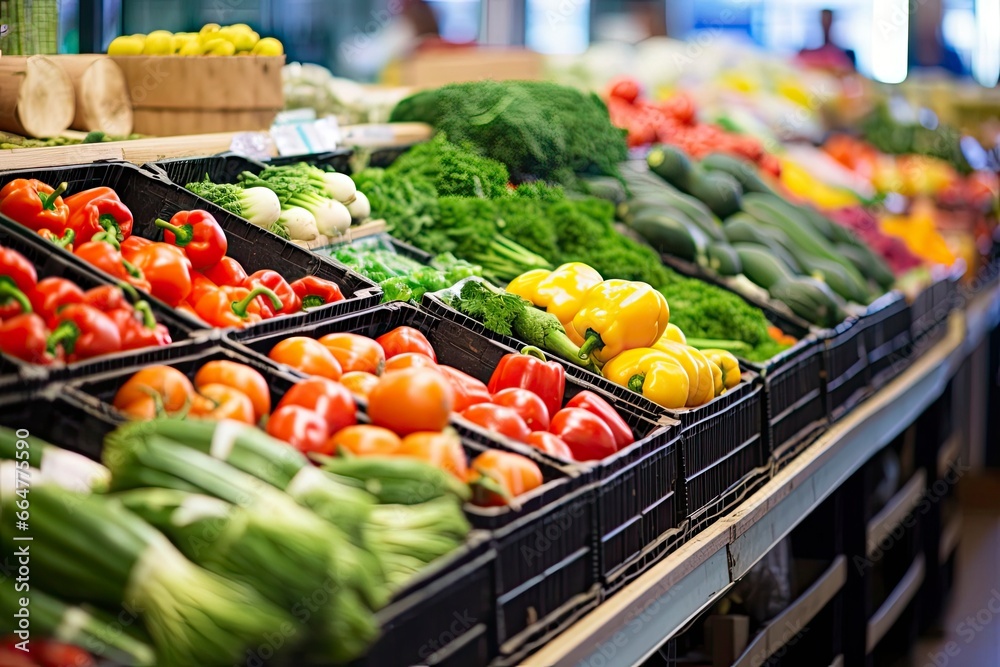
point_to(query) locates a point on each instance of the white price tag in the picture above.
(318, 136)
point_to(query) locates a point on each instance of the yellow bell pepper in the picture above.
(652, 373)
(620, 315)
(719, 387)
(706, 384)
(675, 334)
(526, 285)
(728, 363)
(561, 292)
(681, 354)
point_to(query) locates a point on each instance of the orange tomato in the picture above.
(307, 355)
(441, 449)
(355, 353)
(240, 377)
(409, 360)
(499, 477)
(365, 440)
(359, 383)
(411, 400)
(171, 389)
(224, 402)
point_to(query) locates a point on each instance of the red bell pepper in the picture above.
(138, 327)
(405, 339)
(83, 332)
(290, 301)
(468, 390)
(498, 419)
(167, 270)
(235, 306)
(594, 404)
(200, 286)
(65, 241)
(316, 292)
(525, 403)
(132, 245)
(17, 279)
(588, 437)
(98, 210)
(226, 273)
(199, 234)
(26, 337)
(109, 259)
(530, 370)
(35, 205)
(51, 294)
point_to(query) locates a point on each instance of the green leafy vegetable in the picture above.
(454, 170)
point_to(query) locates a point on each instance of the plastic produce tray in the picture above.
(724, 456)
(382, 242)
(637, 498)
(383, 157)
(888, 338)
(930, 310)
(50, 264)
(226, 167)
(845, 362)
(150, 197)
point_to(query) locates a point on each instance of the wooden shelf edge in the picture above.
(789, 624)
(887, 615)
(950, 535)
(895, 511)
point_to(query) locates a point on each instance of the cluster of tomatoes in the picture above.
(674, 121)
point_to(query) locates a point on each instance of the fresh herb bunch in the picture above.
(455, 171)
(404, 279)
(535, 128)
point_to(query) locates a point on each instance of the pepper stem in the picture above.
(183, 234)
(592, 342)
(312, 301)
(107, 237)
(240, 307)
(66, 239)
(132, 269)
(110, 225)
(10, 292)
(148, 319)
(49, 200)
(533, 351)
(66, 335)
(128, 289)
(636, 381)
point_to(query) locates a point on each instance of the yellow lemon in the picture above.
(159, 43)
(127, 45)
(268, 46)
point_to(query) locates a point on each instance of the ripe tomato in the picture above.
(365, 440)
(331, 400)
(173, 389)
(550, 444)
(588, 437)
(308, 356)
(527, 404)
(468, 390)
(301, 427)
(499, 477)
(405, 339)
(411, 400)
(409, 360)
(360, 384)
(625, 89)
(498, 419)
(442, 449)
(219, 401)
(237, 376)
(355, 353)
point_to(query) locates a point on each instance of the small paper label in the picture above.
(255, 145)
(317, 136)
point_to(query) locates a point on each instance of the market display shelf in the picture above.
(892, 609)
(949, 454)
(881, 526)
(663, 600)
(798, 614)
(150, 197)
(951, 533)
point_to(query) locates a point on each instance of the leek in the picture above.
(258, 205)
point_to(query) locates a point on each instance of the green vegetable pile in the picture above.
(14, 141)
(402, 278)
(702, 310)
(889, 135)
(536, 129)
(454, 171)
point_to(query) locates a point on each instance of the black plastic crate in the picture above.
(13, 371)
(226, 167)
(150, 197)
(930, 310)
(383, 157)
(380, 242)
(888, 338)
(845, 363)
(724, 454)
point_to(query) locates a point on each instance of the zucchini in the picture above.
(760, 265)
(841, 281)
(868, 263)
(668, 234)
(744, 172)
(671, 164)
(719, 191)
(810, 299)
(742, 228)
(822, 224)
(606, 187)
(696, 211)
(724, 259)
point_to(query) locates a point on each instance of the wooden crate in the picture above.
(180, 95)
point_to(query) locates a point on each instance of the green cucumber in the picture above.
(718, 190)
(744, 172)
(606, 187)
(724, 259)
(760, 264)
(868, 263)
(742, 228)
(696, 211)
(839, 280)
(668, 233)
(810, 299)
(671, 164)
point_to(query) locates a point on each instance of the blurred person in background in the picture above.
(829, 55)
(928, 48)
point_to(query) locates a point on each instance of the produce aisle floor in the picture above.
(975, 641)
